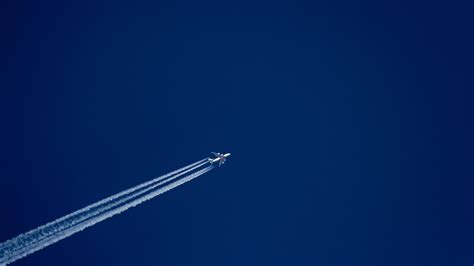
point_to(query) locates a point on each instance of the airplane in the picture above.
(220, 157)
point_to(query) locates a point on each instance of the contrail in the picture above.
(112, 204)
(61, 228)
(81, 226)
(63, 222)
(52, 227)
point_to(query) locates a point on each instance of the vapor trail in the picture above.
(107, 204)
(61, 228)
(36, 235)
(65, 221)
(81, 226)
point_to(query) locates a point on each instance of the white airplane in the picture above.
(220, 158)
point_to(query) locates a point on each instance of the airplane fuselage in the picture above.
(220, 158)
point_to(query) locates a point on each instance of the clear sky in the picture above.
(350, 125)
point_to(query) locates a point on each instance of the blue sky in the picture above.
(350, 126)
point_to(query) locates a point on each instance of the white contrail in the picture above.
(74, 220)
(34, 240)
(65, 221)
(36, 235)
(109, 205)
(81, 226)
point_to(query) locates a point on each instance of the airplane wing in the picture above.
(215, 153)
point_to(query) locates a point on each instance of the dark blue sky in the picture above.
(350, 125)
